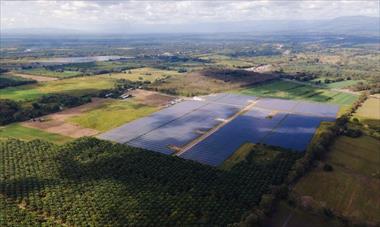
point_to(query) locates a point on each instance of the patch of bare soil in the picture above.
(261, 69)
(55, 123)
(34, 77)
(151, 98)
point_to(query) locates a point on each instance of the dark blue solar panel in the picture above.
(327, 110)
(295, 131)
(276, 104)
(185, 129)
(251, 126)
(144, 125)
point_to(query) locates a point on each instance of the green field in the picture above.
(149, 74)
(290, 90)
(356, 162)
(79, 85)
(112, 114)
(343, 84)
(74, 86)
(50, 73)
(17, 131)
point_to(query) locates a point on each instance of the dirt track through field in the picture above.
(151, 98)
(34, 77)
(55, 123)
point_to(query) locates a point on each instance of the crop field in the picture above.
(150, 74)
(17, 131)
(118, 184)
(290, 90)
(172, 129)
(340, 84)
(370, 109)
(111, 114)
(80, 85)
(73, 86)
(7, 80)
(51, 73)
(208, 82)
(355, 163)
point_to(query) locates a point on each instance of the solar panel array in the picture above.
(286, 123)
(184, 129)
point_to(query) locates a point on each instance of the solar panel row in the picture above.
(291, 131)
(184, 129)
(286, 123)
(144, 125)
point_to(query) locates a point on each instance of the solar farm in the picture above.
(209, 129)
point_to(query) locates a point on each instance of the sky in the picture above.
(99, 15)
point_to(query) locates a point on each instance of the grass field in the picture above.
(50, 73)
(370, 109)
(79, 85)
(112, 114)
(356, 162)
(248, 151)
(289, 90)
(73, 86)
(340, 84)
(369, 113)
(19, 132)
(149, 74)
(238, 156)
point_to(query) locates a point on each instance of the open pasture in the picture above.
(369, 113)
(50, 73)
(111, 114)
(73, 86)
(295, 91)
(224, 116)
(145, 74)
(17, 131)
(355, 163)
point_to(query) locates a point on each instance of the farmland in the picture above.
(50, 73)
(118, 184)
(17, 131)
(356, 162)
(78, 86)
(189, 131)
(75, 86)
(111, 114)
(289, 90)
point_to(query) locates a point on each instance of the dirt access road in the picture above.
(55, 123)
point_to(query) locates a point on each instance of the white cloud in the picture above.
(96, 14)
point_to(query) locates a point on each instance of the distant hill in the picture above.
(353, 25)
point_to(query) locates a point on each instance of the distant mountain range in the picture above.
(354, 25)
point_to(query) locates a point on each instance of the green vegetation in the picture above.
(80, 86)
(50, 73)
(343, 191)
(112, 114)
(11, 111)
(290, 90)
(209, 81)
(144, 74)
(18, 131)
(239, 155)
(369, 114)
(10, 81)
(97, 183)
(74, 86)
(361, 155)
